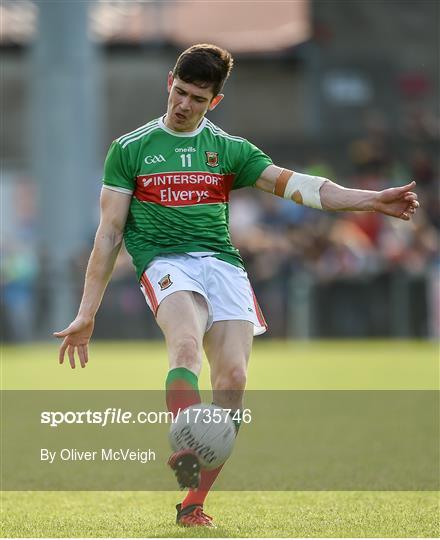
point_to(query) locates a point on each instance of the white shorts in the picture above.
(225, 287)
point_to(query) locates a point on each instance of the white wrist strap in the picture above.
(301, 188)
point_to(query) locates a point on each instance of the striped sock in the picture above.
(182, 389)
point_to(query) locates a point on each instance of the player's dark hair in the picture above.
(204, 65)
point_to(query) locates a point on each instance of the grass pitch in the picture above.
(274, 365)
(248, 514)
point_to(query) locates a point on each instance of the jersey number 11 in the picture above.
(186, 160)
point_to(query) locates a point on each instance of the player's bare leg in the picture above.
(228, 346)
(182, 317)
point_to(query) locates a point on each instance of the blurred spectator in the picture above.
(19, 261)
(19, 269)
(422, 168)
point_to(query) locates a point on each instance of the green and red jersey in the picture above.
(180, 185)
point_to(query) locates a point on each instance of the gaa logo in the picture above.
(151, 160)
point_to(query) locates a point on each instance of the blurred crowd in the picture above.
(271, 232)
(277, 239)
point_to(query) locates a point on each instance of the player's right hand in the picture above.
(76, 338)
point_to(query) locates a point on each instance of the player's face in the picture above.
(188, 104)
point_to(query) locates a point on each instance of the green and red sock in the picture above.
(207, 479)
(182, 389)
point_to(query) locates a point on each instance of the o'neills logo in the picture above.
(184, 189)
(203, 450)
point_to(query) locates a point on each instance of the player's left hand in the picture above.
(399, 202)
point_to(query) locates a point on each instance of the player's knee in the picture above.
(186, 352)
(232, 379)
